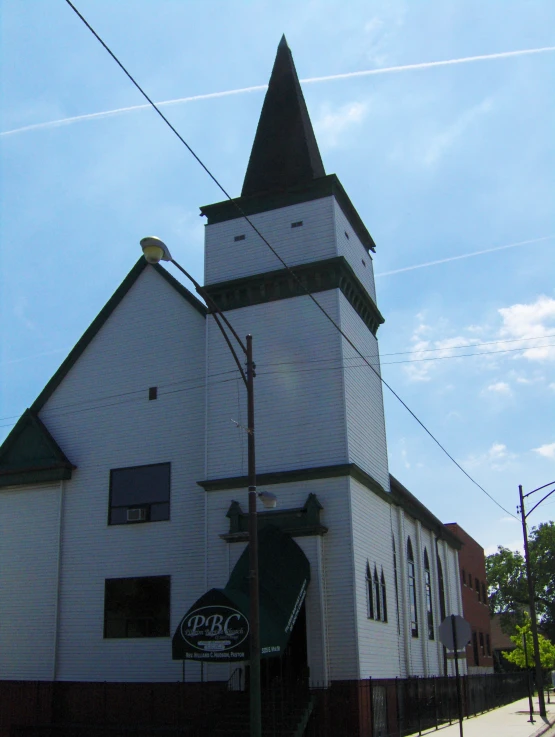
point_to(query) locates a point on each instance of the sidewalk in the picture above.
(507, 721)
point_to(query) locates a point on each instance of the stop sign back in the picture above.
(463, 632)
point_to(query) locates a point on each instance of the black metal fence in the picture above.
(405, 706)
(369, 708)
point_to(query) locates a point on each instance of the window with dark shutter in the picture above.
(139, 494)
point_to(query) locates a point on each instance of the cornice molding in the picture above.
(319, 276)
(327, 186)
(399, 496)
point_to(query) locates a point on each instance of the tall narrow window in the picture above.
(477, 586)
(377, 595)
(484, 595)
(464, 577)
(475, 648)
(488, 645)
(442, 608)
(369, 594)
(396, 580)
(428, 585)
(384, 597)
(411, 571)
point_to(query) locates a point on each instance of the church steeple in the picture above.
(285, 153)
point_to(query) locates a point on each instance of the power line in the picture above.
(276, 254)
(261, 372)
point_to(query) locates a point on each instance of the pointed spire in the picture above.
(285, 153)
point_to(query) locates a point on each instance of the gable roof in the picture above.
(101, 318)
(414, 507)
(284, 153)
(31, 455)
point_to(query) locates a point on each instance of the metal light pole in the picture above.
(155, 251)
(530, 700)
(531, 597)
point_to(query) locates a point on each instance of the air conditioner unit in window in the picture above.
(136, 515)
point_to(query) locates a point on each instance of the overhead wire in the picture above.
(262, 372)
(277, 255)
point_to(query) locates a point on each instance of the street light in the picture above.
(534, 624)
(154, 251)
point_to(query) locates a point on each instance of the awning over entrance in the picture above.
(216, 627)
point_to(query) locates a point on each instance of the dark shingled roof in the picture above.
(285, 153)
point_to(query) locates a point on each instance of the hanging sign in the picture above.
(214, 632)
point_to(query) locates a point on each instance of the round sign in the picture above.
(214, 629)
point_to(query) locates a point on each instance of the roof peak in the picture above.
(284, 153)
(283, 42)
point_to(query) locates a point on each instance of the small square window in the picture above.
(297, 224)
(239, 238)
(153, 392)
(139, 494)
(137, 607)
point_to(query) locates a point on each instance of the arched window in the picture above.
(384, 597)
(411, 572)
(377, 595)
(428, 587)
(369, 593)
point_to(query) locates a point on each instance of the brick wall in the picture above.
(472, 573)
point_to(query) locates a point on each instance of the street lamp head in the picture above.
(155, 250)
(268, 499)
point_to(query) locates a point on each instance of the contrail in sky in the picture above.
(464, 255)
(258, 88)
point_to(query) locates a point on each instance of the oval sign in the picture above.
(214, 629)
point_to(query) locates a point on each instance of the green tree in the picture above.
(518, 656)
(508, 588)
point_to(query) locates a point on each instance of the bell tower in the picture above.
(319, 418)
(316, 404)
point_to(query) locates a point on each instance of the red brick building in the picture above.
(472, 569)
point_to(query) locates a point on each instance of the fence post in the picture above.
(397, 707)
(435, 700)
(418, 706)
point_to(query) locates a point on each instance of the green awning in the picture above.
(216, 627)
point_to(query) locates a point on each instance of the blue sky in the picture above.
(440, 161)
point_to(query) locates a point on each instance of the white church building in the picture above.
(123, 488)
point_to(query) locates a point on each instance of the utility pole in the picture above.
(539, 675)
(254, 686)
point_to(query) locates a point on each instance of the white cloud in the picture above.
(524, 333)
(537, 320)
(497, 458)
(500, 387)
(424, 350)
(447, 139)
(547, 450)
(331, 125)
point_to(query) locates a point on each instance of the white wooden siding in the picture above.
(352, 249)
(363, 397)
(29, 534)
(313, 241)
(378, 642)
(101, 417)
(330, 597)
(299, 405)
